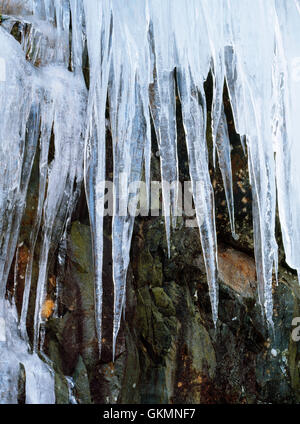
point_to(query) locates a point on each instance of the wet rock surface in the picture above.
(169, 350)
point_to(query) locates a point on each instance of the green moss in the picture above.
(144, 312)
(162, 338)
(81, 247)
(151, 324)
(145, 268)
(163, 302)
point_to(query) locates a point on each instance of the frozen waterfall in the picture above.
(251, 45)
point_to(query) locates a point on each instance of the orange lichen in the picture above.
(199, 379)
(48, 308)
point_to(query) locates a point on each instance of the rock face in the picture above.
(169, 350)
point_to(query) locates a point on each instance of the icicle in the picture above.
(194, 119)
(46, 126)
(77, 33)
(68, 145)
(213, 13)
(98, 27)
(129, 113)
(15, 104)
(192, 72)
(254, 101)
(163, 107)
(128, 139)
(223, 149)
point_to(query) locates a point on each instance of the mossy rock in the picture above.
(163, 302)
(81, 381)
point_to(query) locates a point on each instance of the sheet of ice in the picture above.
(36, 103)
(287, 125)
(17, 161)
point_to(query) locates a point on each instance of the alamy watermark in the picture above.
(296, 330)
(123, 198)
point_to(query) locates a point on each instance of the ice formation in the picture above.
(15, 356)
(133, 50)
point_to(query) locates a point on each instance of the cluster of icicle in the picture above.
(133, 49)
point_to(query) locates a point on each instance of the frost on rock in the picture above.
(138, 55)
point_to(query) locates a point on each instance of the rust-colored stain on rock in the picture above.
(237, 270)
